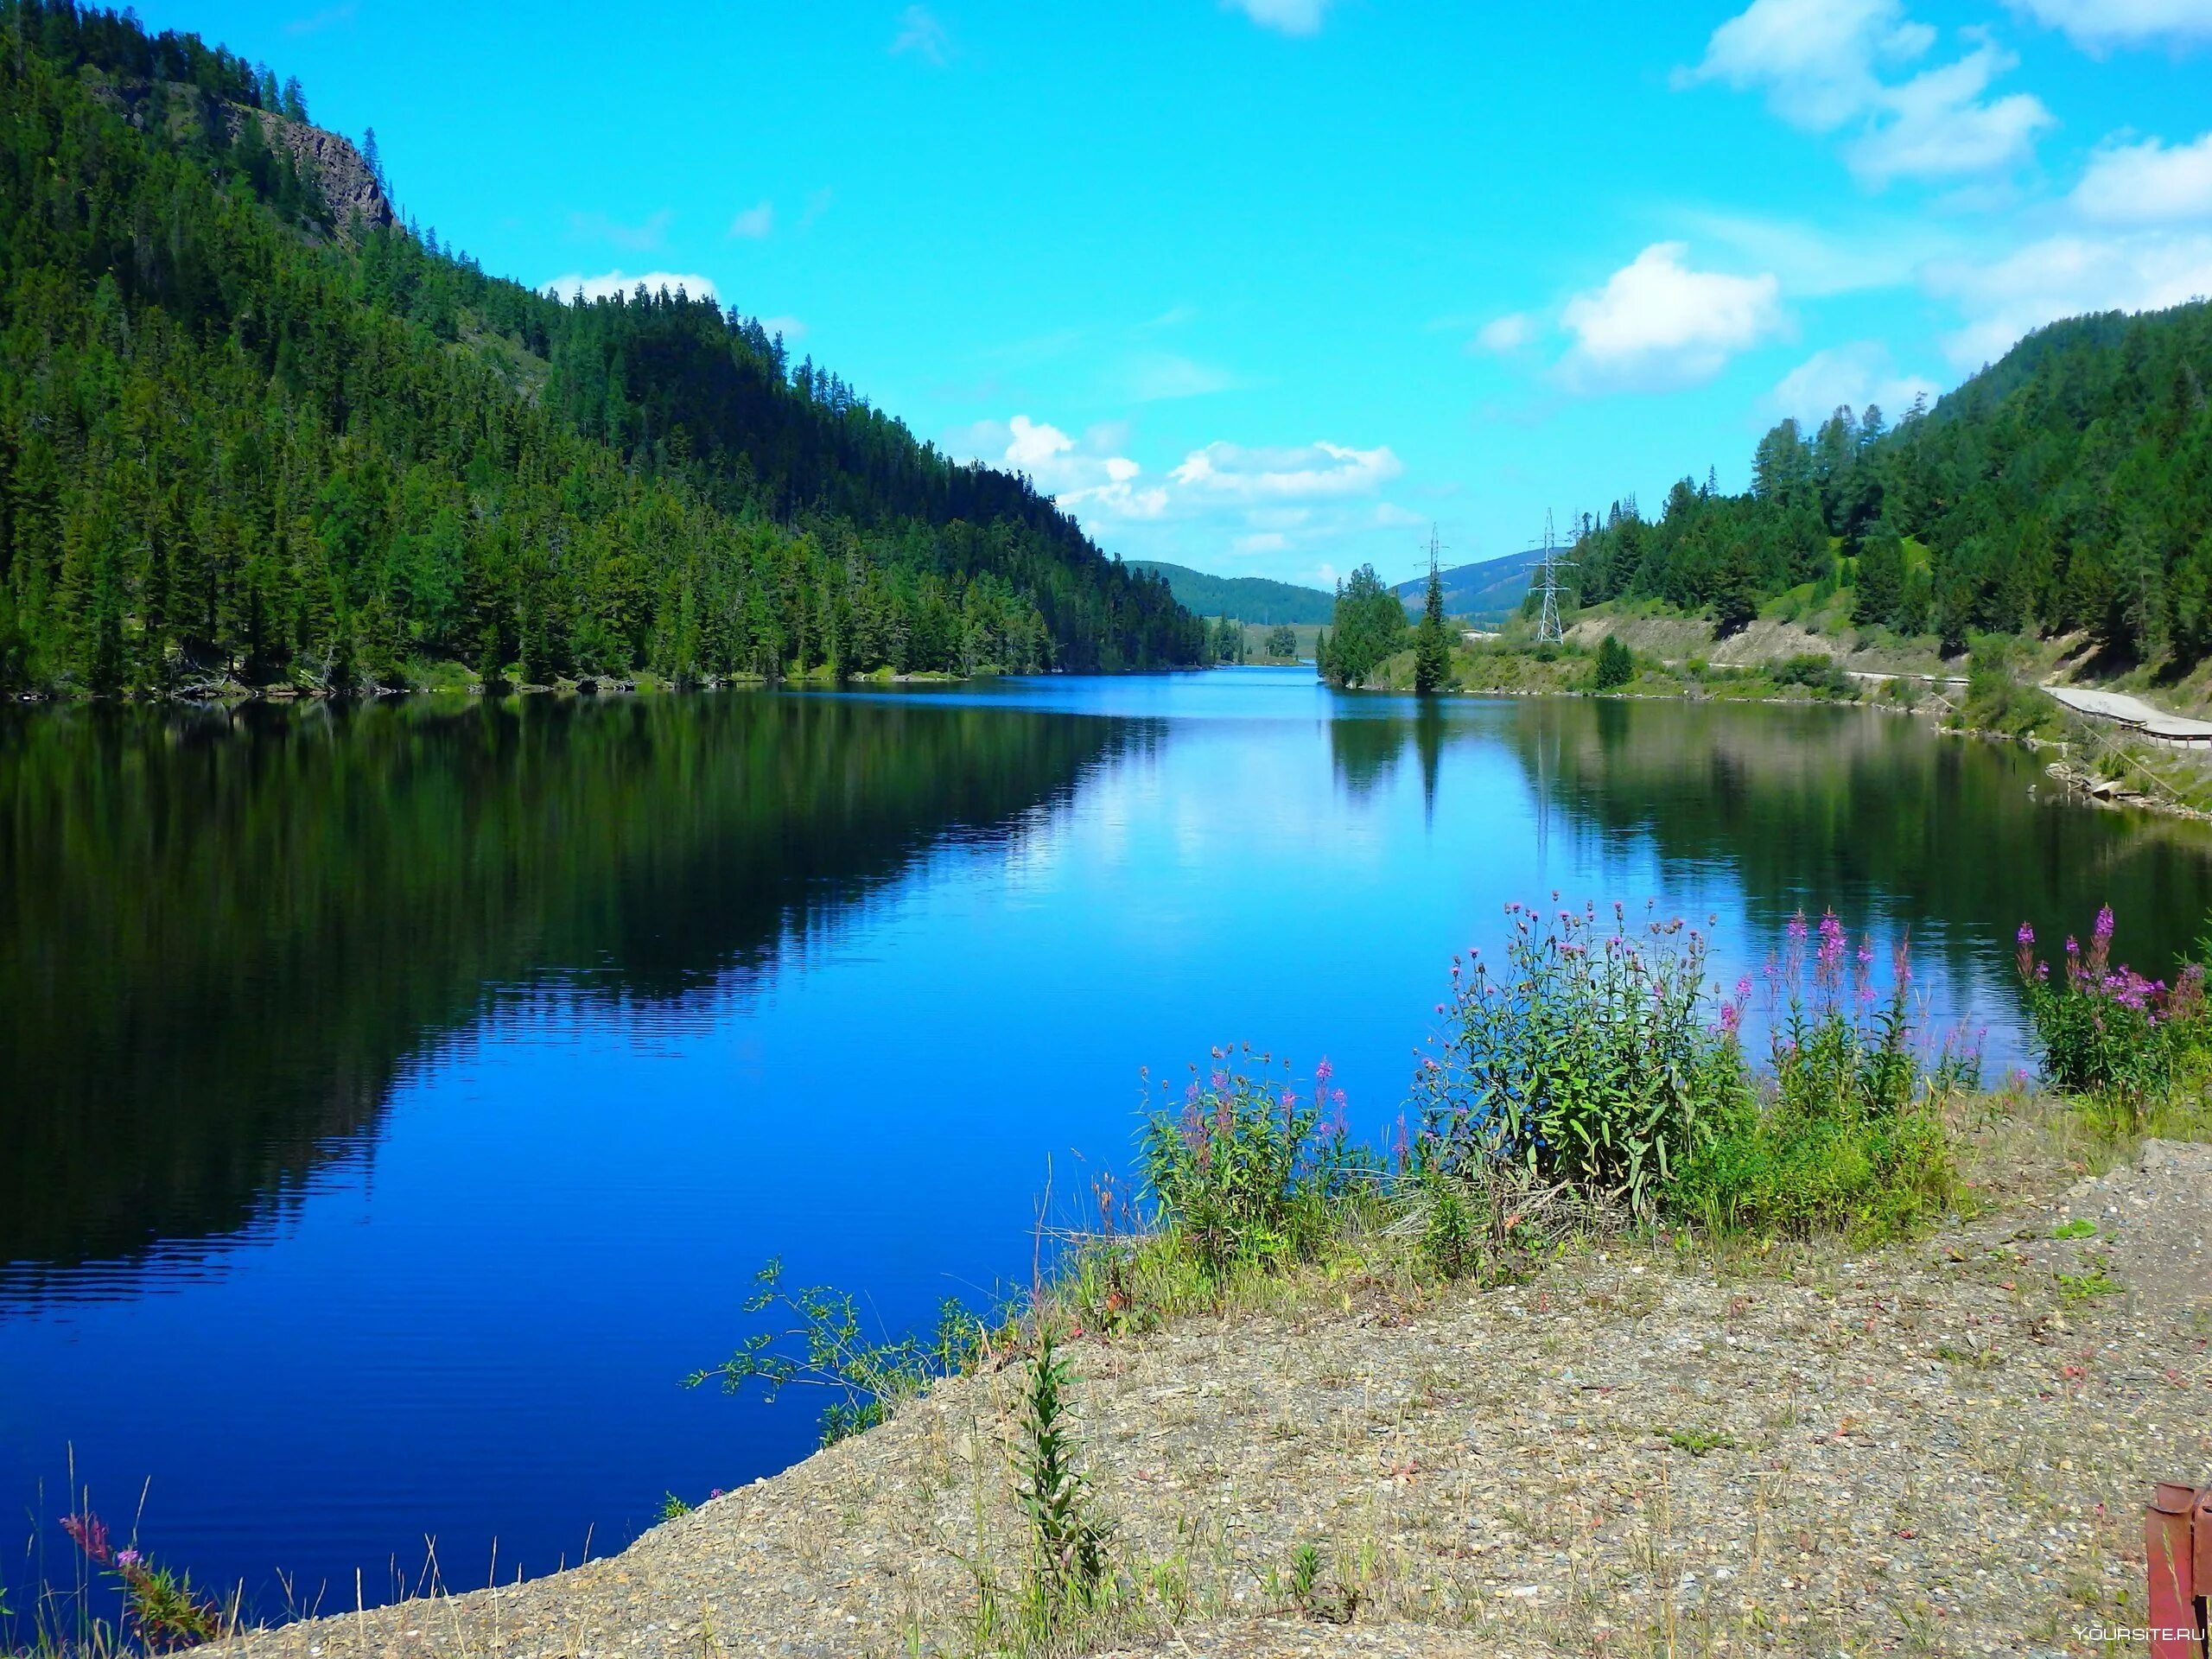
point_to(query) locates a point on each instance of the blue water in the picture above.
(453, 1303)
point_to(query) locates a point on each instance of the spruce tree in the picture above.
(1432, 640)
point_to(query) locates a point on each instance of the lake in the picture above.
(397, 1100)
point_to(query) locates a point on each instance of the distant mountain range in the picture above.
(1490, 590)
(1248, 599)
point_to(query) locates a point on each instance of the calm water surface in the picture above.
(395, 1102)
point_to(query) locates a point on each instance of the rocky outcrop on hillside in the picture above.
(353, 192)
(347, 185)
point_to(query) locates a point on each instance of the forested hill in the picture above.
(252, 429)
(1248, 599)
(2068, 486)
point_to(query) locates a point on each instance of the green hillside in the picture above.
(1248, 599)
(2068, 486)
(251, 431)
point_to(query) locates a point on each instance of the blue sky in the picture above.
(1267, 286)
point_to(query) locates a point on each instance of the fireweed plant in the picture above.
(2105, 1029)
(1592, 1055)
(1842, 1128)
(1247, 1172)
(162, 1611)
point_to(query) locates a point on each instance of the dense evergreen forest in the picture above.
(2068, 486)
(247, 437)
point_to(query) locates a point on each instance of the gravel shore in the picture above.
(1942, 1447)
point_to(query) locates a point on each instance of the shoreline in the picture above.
(1710, 1448)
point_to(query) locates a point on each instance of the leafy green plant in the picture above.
(1250, 1172)
(671, 1506)
(2079, 1227)
(2105, 1028)
(2075, 1288)
(1068, 1538)
(870, 1378)
(162, 1610)
(1697, 1442)
(1588, 1056)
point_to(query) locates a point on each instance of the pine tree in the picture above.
(1432, 640)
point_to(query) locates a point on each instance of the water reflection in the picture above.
(225, 932)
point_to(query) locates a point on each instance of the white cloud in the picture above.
(789, 326)
(1821, 64)
(1657, 323)
(1858, 374)
(2097, 24)
(1265, 541)
(921, 34)
(1938, 125)
(1288, 17)
(754, 222)
(1233, 472)
(1077, 475)
(2148, 183)
(2065, 276)
(615, 281)
(1507, 334)
(1814, 59)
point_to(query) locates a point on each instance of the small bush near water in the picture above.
(1587, 1057)
(1844, 1135)
(2106, 1030)
(1599, 1058)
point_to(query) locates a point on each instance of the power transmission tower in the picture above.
(1548, 628)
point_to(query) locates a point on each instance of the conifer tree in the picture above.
(1432, 640)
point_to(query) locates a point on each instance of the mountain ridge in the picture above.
(366, 458)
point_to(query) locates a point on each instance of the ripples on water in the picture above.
(398, 1100)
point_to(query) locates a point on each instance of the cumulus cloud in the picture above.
(2065, 276)
(612, 282)
(1286, 16)
(1233, 472)
(1858, 374)
(1506, 333)
(2097, 24)
(1078, 474)
(2148, 183)
(754, 222)
(1657, 323)
(1822, 64)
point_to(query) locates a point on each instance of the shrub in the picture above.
(1588, 1057)
(1848, 1136)
(1815, 670)
(869, 1378)
(1996, 702)
(2107, 1028)
(1249, 1172)
(1615, 666)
